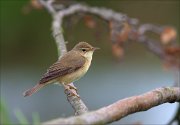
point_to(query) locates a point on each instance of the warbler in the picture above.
(69, 68)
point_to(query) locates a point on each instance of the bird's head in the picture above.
(85, 49)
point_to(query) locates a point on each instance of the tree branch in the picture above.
(77, 104)
(58, 17)
(124, 107)
(122, 29)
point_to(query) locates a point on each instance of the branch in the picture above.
(124, 107)
(122, 29)
(77, 104)
(58, 17)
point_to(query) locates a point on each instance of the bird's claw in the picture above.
(72, 87)
(72, 92)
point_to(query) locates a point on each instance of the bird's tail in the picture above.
(33, 90)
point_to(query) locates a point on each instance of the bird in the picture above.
(69, 68)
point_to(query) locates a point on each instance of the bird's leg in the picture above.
(71, 86)
(68, 88)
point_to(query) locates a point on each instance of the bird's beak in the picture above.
(95, 48)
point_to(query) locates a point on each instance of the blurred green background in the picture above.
(28, 49)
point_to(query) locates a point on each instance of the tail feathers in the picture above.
(33, 90)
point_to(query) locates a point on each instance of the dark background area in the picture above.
(28, 49)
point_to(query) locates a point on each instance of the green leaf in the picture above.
(36, 118)
(20, 116)
(4, 113)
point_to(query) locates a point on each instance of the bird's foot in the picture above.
(71, 86)
(73, 92)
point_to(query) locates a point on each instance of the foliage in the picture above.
(5, 119)
(4, 113)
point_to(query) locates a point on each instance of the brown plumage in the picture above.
(64, 66)
(72, 66)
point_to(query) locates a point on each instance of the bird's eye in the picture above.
(84, 50)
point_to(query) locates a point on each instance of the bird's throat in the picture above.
(88, 55)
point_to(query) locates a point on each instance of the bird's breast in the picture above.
(77, 74)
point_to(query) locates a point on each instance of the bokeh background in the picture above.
(28, 49)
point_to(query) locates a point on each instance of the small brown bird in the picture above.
(69, 68)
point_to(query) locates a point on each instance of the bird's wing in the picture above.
(67, 64)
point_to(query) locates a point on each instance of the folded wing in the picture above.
(67, 64)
